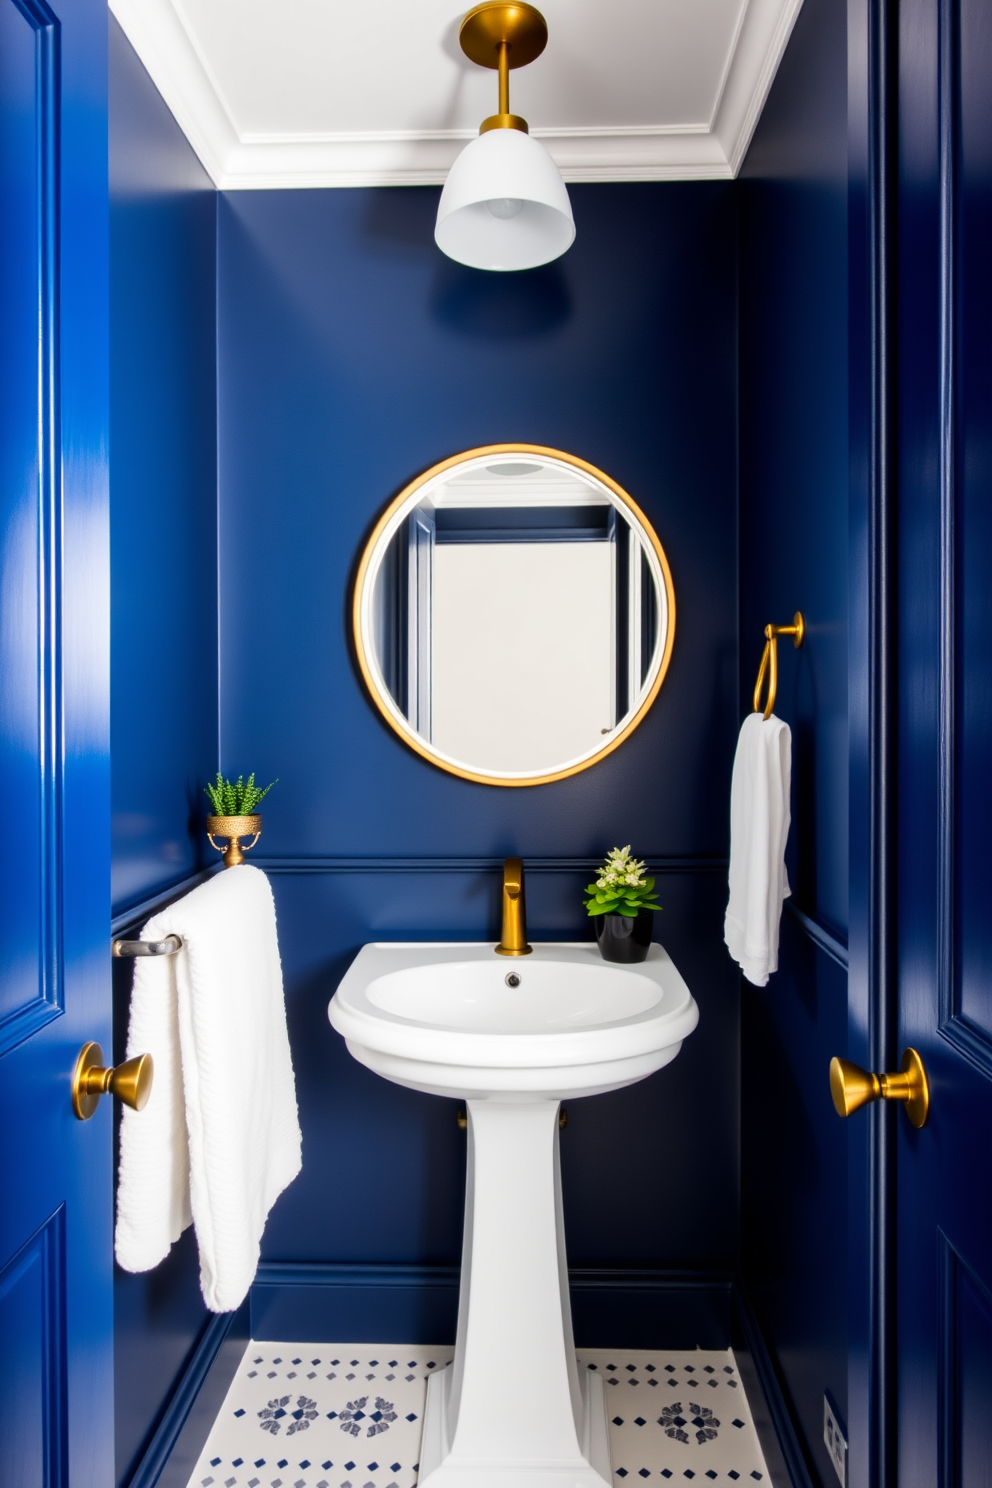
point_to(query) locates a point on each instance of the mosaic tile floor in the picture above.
(350, 1415)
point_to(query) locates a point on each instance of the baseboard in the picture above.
(178, 1439)
(313, 1303)
(613, 1308)
(780, 1437)
(318, 1303)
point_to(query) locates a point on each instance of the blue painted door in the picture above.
(55, 1198)
(943, 1200)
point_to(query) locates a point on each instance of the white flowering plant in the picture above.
(622, 887)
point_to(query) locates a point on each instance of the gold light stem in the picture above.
(496, 27)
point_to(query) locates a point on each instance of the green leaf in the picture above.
(236, 797)
(621, 899)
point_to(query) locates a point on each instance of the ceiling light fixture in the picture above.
(504, 205)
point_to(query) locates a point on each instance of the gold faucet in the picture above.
(514, 939)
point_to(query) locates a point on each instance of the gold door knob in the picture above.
(131, 1081)
(852, 1087)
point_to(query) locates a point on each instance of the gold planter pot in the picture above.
(233, 828)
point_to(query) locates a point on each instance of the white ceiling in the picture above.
(328, 93)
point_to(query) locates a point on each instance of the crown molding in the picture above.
(253, 162)
(258, 165)
(760, 43)
(168, 55)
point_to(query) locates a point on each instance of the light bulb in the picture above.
(504, 207)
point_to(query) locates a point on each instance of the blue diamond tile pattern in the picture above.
(355, 1394)
(680, 1437)
(323, 1433)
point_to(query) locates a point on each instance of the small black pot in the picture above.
(624, 938)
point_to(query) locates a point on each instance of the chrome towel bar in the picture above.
(167, 947)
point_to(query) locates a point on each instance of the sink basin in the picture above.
(512, 1037)
(442, 1018)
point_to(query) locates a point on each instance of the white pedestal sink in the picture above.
(450, 1020)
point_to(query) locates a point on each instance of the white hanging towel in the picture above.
(759, 827)
(219, 1139)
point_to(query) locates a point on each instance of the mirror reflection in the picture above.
(513, 615)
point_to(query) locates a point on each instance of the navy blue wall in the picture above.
(163, 608)
(794, 555)
(164, 483)
(350, 356)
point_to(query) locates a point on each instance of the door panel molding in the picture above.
(965, 1311)
(24, 1020)
(968, 1037)
(948, 567)
(32, 1302)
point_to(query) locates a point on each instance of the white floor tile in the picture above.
(678, 1416)
(350, 1415)
(305, 1415)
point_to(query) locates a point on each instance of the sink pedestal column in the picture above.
(512, 1405)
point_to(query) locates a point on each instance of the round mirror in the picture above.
(514, 615)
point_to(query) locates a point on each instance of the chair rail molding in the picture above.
(277, 863)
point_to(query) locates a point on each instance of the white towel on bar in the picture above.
(759, 827)
(219, 1139)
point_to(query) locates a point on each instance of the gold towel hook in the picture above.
(769, 659)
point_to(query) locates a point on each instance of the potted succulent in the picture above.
(622, 903)
(234, 815)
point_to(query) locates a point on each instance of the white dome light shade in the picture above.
(504, 205)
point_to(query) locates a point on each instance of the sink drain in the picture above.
(511, 979)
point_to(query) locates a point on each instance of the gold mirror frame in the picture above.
(379, 693)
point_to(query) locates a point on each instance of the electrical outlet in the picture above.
(835, 1441)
